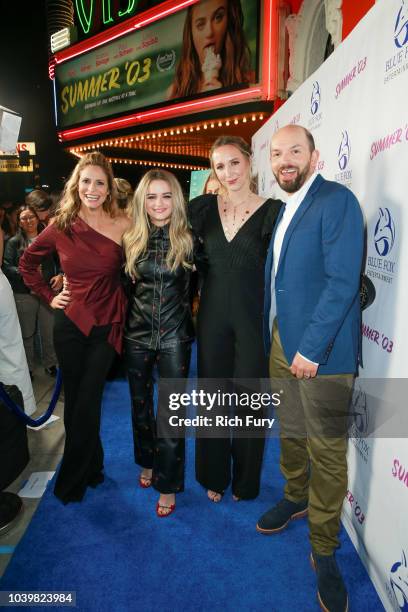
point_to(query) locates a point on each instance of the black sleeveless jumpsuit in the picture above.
(230, 324)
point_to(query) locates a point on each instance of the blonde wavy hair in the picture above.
(135, 240)
(70, 203)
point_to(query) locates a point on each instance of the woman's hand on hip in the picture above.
(56, 282)
(61, 300)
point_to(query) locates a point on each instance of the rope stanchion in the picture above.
(20, 412)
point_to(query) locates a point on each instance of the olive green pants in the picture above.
(313, 434)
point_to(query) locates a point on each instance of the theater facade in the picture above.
(155, 83)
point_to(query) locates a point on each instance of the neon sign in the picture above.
(95, 15)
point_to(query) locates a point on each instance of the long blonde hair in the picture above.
(70, 202)
(135, 240)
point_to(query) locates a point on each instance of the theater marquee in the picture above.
(147, 68)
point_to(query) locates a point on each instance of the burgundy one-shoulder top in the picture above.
(92, 264)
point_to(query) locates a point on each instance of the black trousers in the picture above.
(230, 349)
(164, 455)
(84, 362)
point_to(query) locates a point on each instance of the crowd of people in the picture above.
(21, 224)
(112, 272)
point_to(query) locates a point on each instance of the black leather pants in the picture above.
(164, 455)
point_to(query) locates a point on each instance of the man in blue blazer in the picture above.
(312, 329)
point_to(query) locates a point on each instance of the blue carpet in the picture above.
(118, 556)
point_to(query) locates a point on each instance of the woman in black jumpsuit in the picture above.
(234, 229)
(159, 327)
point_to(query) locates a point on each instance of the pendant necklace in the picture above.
(232, 227)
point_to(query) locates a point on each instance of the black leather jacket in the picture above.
(159, 314)
(49, 266)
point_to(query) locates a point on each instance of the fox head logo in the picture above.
(315, 99)
(384, 233)
(399, 582)
(344, 151)
(360, 410)
(401, 26)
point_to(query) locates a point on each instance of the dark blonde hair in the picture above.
(124, 193)
(211, 177)
(242, 146)
(70, 202)
(235, 55)
(136, 239)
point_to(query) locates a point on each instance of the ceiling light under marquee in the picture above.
(192, 150)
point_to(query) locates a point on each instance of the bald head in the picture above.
(296, 131)
(293, 157)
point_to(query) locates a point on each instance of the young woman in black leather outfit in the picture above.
(159, 328)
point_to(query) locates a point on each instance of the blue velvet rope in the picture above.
(20, 412)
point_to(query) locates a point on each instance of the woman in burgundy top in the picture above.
(90, 311)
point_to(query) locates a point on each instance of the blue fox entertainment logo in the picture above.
(384, 233)
(399, 582)
(344, 151)
(360, 410)
(315, 99)
(401, 26)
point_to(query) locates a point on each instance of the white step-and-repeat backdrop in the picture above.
(356, 105)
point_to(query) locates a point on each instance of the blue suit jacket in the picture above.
(318, 278)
